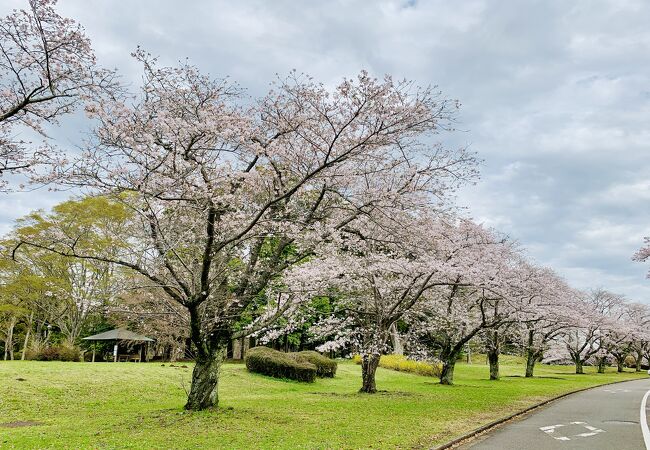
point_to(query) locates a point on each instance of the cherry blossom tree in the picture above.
(47, 69)
(227, 194)
(481, 268)
(638, 317)
(626, 327)
(522, 285)
(549, 313)
(586, 339)
(644, 253)
(377, 271)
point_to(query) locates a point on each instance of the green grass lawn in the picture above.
(129, 405)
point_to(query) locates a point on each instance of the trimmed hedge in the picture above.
(325, 367)
(266, 361)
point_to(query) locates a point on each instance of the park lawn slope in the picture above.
(83, 405)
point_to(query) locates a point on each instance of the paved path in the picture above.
(608, 417)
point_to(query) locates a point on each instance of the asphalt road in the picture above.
(608, 417)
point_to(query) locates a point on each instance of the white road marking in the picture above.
(549, 429)
(644, 421)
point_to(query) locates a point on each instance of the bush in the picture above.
(630, 361)
(267, 361)
(402, 364)
(325, 367)
(56, 353)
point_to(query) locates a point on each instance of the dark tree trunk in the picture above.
(210, 353)
(531, 359)
(620, 362)
(531, 354)
(369, 364)
(493, 358)
(639, 360)
(205, 382)
(447, 374)
(579, 369)
(601, 364)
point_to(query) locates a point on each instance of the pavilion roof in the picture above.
(118, 334)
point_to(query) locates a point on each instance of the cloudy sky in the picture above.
(555, 94)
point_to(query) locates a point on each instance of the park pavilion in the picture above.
(128, 346)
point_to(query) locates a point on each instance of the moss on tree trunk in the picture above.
(205, 382)
(369, 364)
(493, 358)
(531, 359)
(447, 374)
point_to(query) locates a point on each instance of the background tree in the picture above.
(644, 253)
(78, 288)
(551, 309)
(638, 316)
(47, 69)
(585, 340)
(473, 299)
(378, 270)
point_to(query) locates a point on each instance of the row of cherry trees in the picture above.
(241, 211)
(447, 282)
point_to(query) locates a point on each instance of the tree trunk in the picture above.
(9, 342)
(369, 364)
(398, 347)
(237, 348)
(29, 330)
(619, 364)
(601, 365)
(447, 374)
(579, 369)
(639, 360)
(205, 382)
(531, 359)
(493, 358)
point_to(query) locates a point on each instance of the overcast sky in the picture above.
(555, 95)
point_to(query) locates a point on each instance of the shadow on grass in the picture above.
(381, 393)
(536, 377)
(19, 424)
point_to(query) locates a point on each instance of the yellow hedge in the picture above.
(402, 364)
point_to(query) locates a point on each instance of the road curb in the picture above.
(496, 423)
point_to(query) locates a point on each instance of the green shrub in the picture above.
(267, 361)
(56, 353)
(325, 367)
(402, 364)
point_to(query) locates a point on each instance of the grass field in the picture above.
(129, 405)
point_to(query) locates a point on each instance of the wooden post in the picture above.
(94, 352)
(115, 352)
